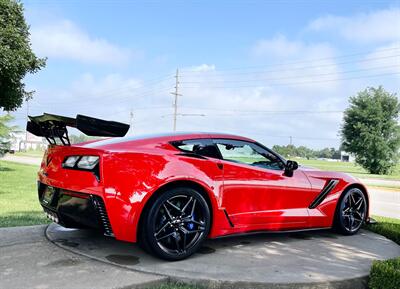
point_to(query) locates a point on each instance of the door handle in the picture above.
(220, 166)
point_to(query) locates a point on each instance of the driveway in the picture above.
(315, 259)
(29, 260)
(85, 259)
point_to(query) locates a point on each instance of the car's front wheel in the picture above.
(177, 223)
(351, 212)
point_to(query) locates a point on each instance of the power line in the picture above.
(127, 88)
(293, 76)
(299, 82)
(235, 112)
(299, 61)
(220, 73)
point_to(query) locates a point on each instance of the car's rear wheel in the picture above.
(351, 212)
(176, 223)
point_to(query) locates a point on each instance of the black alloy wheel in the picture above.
(177, 223)
(351, 212)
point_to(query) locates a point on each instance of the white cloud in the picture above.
(376, 26)
(277, 46)
(202, 68)
(384, 59)
(297, 62)
(66, 40)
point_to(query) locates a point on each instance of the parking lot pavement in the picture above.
(29, 260)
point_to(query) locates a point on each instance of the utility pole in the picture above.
(176, 94)
(131, 122)
(291, 140)
(27, 119)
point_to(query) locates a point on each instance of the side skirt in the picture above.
(270, 232)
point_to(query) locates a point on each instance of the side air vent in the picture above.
(101, 211)
(322, 195)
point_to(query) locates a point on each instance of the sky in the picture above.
(275, 71)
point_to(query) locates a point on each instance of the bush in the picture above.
(389, 230)
(385, 274)
(388, 227)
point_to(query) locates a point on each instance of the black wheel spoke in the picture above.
(359, 214)
(194, 222)
(195, 231)
(193, 207)
(168, 212)
(358, 203)
(351, 223)
(352, 199)
(176, 237)
(184, 241)
(187, 204)
(162, 228)
(173, 206)
(165, 236)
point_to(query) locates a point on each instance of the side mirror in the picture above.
(290, 167)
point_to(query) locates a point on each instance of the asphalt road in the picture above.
(384, 202)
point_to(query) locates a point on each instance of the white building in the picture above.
(346, 157)
(22, 141)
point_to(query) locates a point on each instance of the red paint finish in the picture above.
(254, 198)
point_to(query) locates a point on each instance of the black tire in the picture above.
(142, 240)
(350, 212)
(176, 224)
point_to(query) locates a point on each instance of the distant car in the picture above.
(170, 192)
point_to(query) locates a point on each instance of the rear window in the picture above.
(203, 147)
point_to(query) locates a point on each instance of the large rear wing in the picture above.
(54, 127)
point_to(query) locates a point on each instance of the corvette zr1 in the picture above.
(170, 192)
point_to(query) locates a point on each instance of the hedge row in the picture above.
(386, 274)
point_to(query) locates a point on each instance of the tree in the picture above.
(80, 138)
(371, 131)
(16, 56)
(5, 133)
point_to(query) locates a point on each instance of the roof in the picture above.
(164, 137)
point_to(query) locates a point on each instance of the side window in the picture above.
(248, 153)
(203, 147)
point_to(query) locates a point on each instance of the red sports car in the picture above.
(170, 192)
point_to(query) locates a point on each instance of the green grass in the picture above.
(348, 167)
(386, 274)
(19, 205)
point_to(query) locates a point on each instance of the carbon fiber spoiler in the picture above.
(54, 127)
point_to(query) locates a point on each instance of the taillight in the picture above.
(80, 162)
(88, 162)
(70, 162)
(84, 163)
